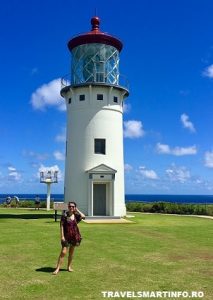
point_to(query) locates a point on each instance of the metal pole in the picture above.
(48, 196)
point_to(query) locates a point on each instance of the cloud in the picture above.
(11, 169)
(35, 155)
(59, 155)
(186, 123)
(163, 149)
(208, 159)
(128, 168)
(133, 129)
(180, 174)
(126, 107)
(208, 72)
(177, 151)
(198, 181)
(61, 137)
(13, 174)
(149, 174)
(53, 169)
(48, 95)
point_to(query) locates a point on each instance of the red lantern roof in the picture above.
(95, 36)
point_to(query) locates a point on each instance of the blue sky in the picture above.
(168, 60)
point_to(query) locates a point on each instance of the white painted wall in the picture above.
(87, 120)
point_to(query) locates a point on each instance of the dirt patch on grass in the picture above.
(176, 257)
(204, 256)
(207, 272)
(189, 256)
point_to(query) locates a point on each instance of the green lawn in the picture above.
(156, 253)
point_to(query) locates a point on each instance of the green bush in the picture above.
(158, 207)
(27, 204)
(209, 209)
(171, 208)
(147, 207)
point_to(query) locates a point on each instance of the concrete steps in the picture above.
(102, 217)
(106, 220)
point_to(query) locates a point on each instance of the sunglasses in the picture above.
(71, 206)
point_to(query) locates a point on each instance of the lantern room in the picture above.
(95, 57)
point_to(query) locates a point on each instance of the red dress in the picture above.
(71, 231)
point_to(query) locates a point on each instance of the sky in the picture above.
(168, 60)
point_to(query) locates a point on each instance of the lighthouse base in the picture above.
(106, 220)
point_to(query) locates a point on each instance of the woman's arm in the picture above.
(80, 213)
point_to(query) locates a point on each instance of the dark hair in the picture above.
(72, 203)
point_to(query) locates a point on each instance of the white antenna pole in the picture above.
(48, 177)
(48, 195)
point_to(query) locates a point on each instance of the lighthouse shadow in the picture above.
(26, 216)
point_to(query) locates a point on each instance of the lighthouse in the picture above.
(94, 95)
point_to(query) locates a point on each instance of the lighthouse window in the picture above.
(100, 97)
(100, 146)
(115, 99)
(81, 97)
(69, 100)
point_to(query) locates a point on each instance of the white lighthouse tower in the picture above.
(94, 168)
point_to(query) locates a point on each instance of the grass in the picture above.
(155, 253)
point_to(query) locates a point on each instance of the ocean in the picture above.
(196, 199)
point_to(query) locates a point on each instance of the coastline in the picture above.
(144, 198)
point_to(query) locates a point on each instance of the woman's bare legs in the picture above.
(60, 260)
(71, 251)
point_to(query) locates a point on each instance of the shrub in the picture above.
(209, 210)
(147, 207)
(134, 206)
(171, 208)
(158, 207)
(27, 204)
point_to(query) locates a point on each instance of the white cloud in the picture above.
(208, 72)
(163, 149)
(62, 107)
(11, 169)
(53, 169)
(149, 174)
(35, 155)
(126, 108)
(133, 129)
(61, 137)
(177, 151)
(186, 123)
(208, 159)
(128, 168)
(14, 175)
(48, 95)
(180, 174)
(59, 155)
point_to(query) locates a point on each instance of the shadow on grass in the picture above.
(26, 216)
(48, 269)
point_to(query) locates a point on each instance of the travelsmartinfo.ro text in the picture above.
(152, 294)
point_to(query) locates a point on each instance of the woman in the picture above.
(70, 234)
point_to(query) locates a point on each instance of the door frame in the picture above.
(105, 175)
